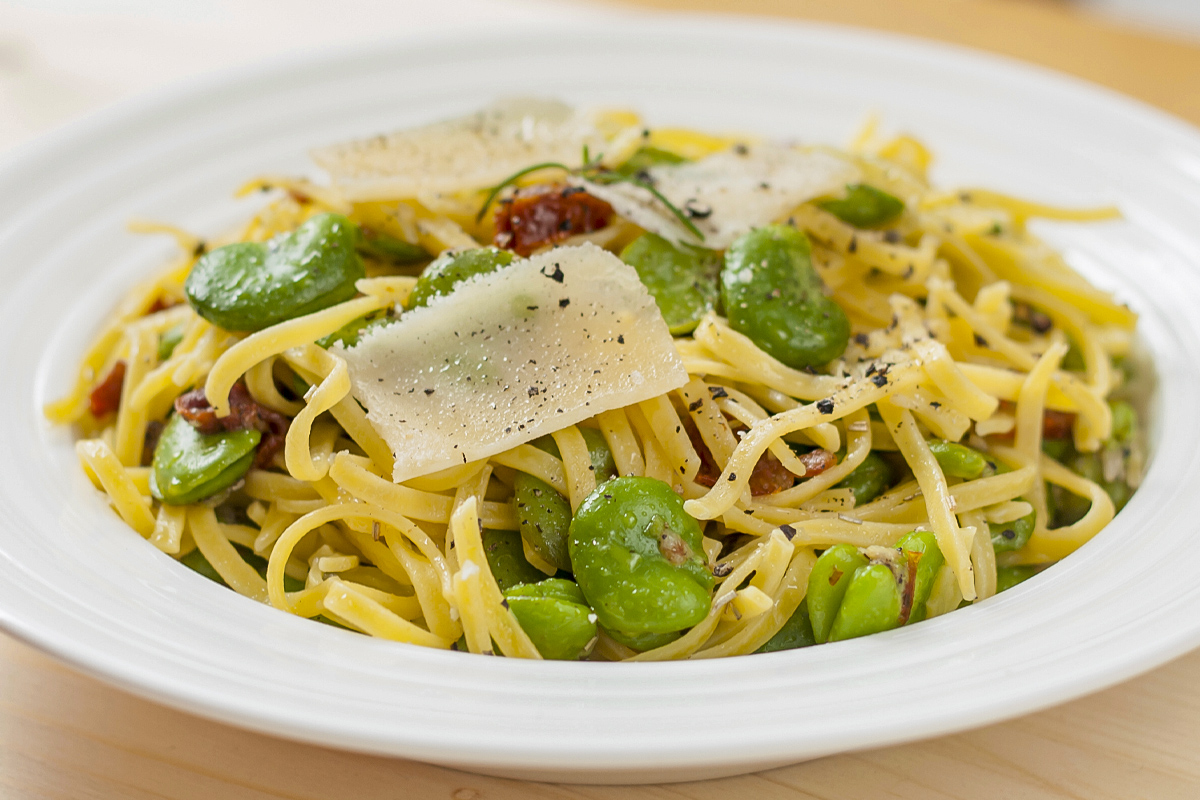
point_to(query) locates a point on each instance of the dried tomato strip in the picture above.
(546, 214)
(106, 397)
(244, 414)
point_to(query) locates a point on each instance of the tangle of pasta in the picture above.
(965, 329)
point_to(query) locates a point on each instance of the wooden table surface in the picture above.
(63, 734)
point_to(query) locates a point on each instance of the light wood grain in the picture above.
(65, 735)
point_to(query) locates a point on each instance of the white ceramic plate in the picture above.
(82, 586)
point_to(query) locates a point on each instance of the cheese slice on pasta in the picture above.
(532, 348)
(728, 193)
(467, 153)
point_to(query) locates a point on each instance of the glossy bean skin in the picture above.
(555, 616)
(796, 632)
(682, 281)
(189, 466)
(641, 642)
(349, 334)
(772, 294)
(958, 460)
(382, 247)
(869, 479)
(1008, 577)
(544, 518)
(921, 546)
(639, 559)
(603, 464)
(249, 286)
(1012, 535)
(872, 604)
(827, 584)
(450, 269)
(506, 559)
(864, 206)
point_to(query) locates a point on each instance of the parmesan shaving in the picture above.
(539, 345)
(467, 153)
(729, 193)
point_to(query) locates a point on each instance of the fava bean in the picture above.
(603, 464)
(450, 269)
(796, 632)
(249, 286)
(772, 294)
(682, 281)
(647, 157)
(1008, 577)
(864, 206)
(506, 559)
(168, 341)
(921, 546)
(1012, 535)
(872, 604)
(388, 248)
(555, 616)
(958, 460)
(189, 466)
(639, 559)
(352, 331)
(869, 479)
(641, 642)
(827, 586)
(544, 517)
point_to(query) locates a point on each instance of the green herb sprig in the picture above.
(594, 171)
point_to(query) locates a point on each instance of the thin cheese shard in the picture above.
(467, 153)
(506, 357)
(729, 193)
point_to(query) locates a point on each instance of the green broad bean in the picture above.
(189, 466)
(555, 616)
(450, 269)
(1012, 535)
(506, 559)
(682, 281)
(1124, 421)
(352, 331)
(922, 546)
(1008, 577)
(827, 585)
(772, 294)
(958, 460)
(639, 559)
(869, 479)
(168, 341)
(872, 604)
(864, 206)
(544, 518)
(249, 286)
(641, 642)
(647, 157)
(796, 632)
(603, 463)
(382, 247)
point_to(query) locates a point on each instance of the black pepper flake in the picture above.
(556, 276)
(732, 477)
(741, 149)
(566, 301)
(718, 392)
(861, 339)
(696, 406)
(853, 247)
(788, 531)
(980, 341)
(621, 339)
(825, 406)
(533, 391)
(697, 210)
(721, 570)
(891, 237)
(504, 602)
(935, 404)
(428, 392)
(200, 249)
(879, 380)
(527, 308)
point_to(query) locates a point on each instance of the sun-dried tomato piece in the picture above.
(160, 304)
(1057, 424)
(546, 214)
(769, 475)
(106, 397)
(244, 414)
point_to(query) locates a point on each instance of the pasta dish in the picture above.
(549, 383)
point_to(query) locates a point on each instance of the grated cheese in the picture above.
(539, 345)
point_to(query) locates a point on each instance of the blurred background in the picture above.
(62, 58)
